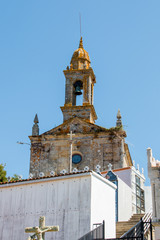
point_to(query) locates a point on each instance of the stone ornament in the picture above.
(39, 232)
(86, 168)
(75, 170)
(64, 171)
(41, 174)
(30, 176)
(52, 173)
(109, 167)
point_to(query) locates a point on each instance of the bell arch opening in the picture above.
(77, 93)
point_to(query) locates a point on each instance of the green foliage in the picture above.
(3, 173)
(14, 178)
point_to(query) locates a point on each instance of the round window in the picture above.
(76, 158)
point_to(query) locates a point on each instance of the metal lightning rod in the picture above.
(80, 24)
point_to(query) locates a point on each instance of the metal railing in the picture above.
(98, 233)
(147, 219)
(137, 232)
(134, 232)
(140, 229)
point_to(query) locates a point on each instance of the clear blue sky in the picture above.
(37, 40)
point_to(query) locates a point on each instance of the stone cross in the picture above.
(70, 159)
(40, 231)
(109, 167)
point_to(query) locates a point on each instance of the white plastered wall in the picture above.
(64, 201)
(124, 201)
(125, 175)
(60, 200)
(103, 204)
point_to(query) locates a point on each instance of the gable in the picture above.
(78, 125)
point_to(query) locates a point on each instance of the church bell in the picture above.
(78, 90)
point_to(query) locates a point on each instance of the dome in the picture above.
(80, 58)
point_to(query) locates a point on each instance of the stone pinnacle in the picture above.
(119, 121)
(36, 119)
(81, 43)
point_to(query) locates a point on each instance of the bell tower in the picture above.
(80, 80)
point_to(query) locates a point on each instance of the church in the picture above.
(81, 174)
(78, 142)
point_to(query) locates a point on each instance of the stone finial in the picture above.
(149, 152)
(35, 128)
(36, 119)
(81, 43)
(119, 121)
(109, 167)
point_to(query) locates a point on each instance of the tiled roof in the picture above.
(45, 177)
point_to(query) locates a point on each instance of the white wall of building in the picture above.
(124, 201)
(64, 201)
(103, 204)
(128, 175)
(125, 175)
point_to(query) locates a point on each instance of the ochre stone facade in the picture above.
(87, 80)
(96, 145)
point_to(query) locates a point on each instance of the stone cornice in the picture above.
(75, 108)
(88, 71)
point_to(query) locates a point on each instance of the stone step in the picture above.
(125, 226)
(136, 216)
(125, 223)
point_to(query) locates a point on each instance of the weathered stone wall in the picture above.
(86, 112)
(154, 175)
(53, 152)
(88, 79)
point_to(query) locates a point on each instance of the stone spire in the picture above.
(119, 121)
(35, 128)
(81, 43)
